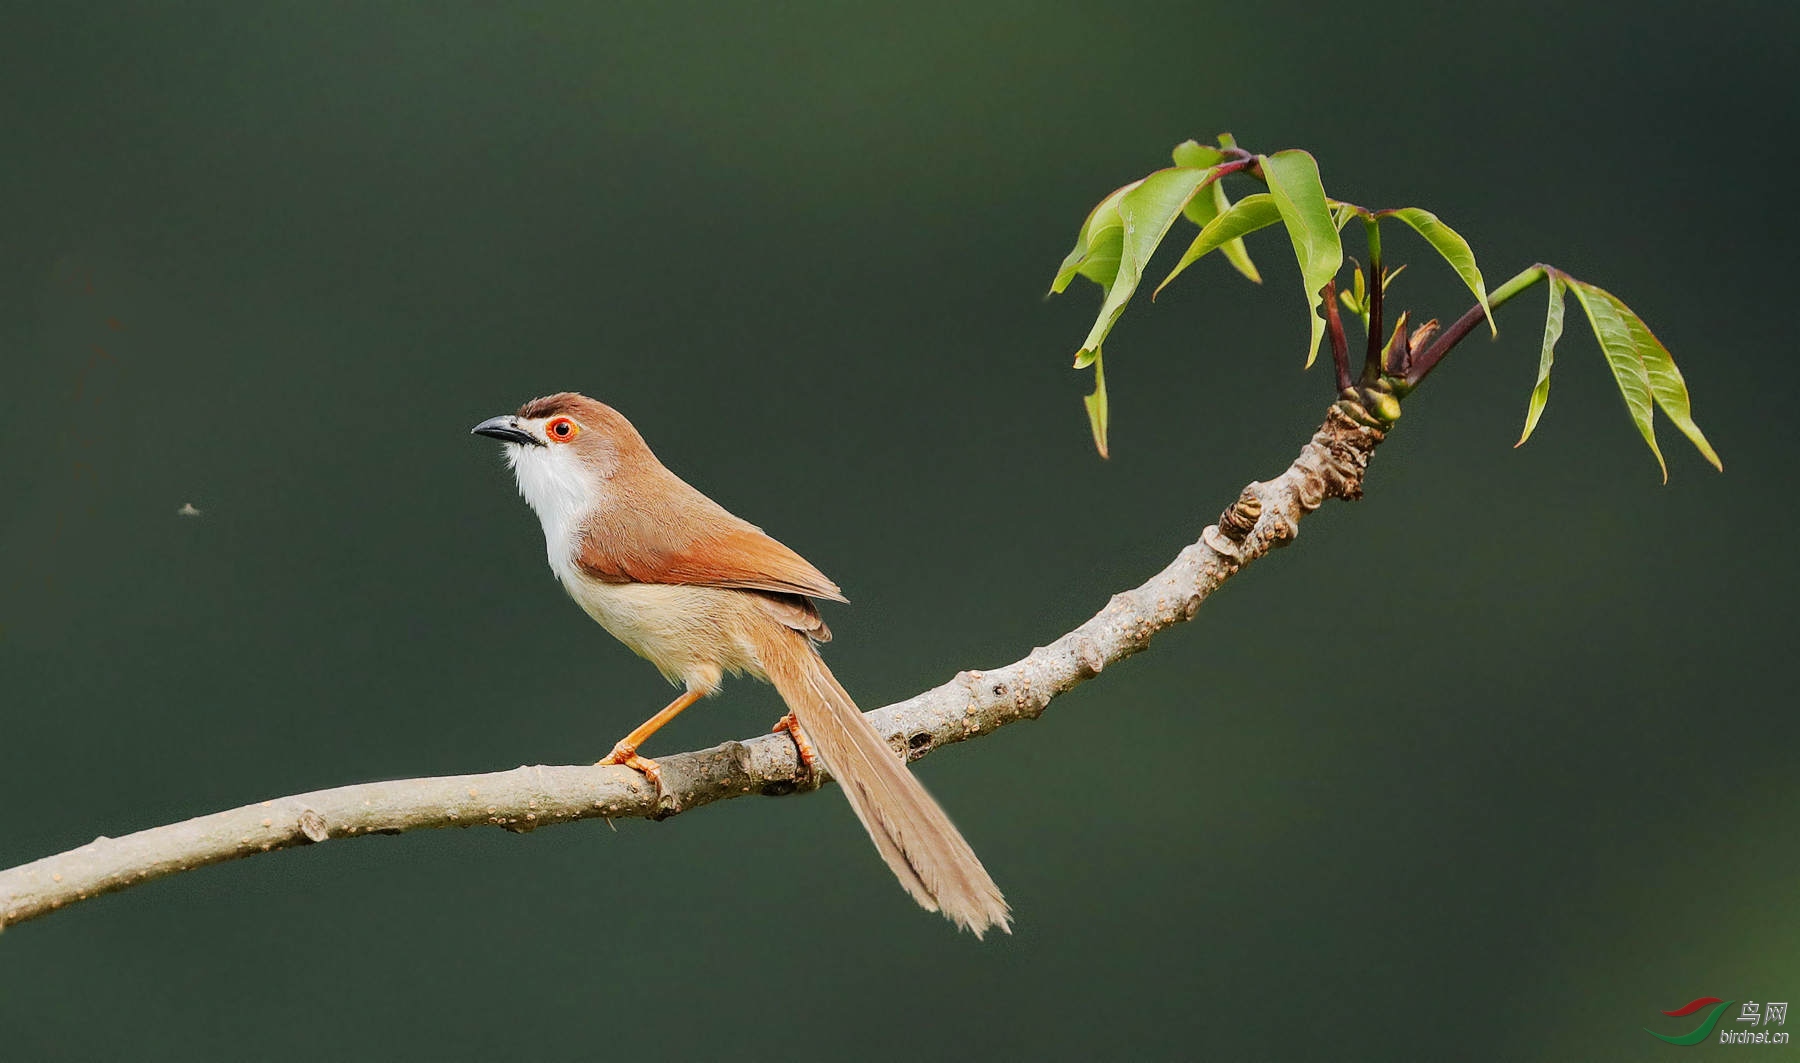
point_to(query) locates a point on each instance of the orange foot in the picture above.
(627, 755)
(808, 759)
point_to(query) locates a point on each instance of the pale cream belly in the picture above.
(691, 634)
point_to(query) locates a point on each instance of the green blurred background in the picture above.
(1495, 764)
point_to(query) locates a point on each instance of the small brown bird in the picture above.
(698, 593)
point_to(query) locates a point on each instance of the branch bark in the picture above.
(974, 703)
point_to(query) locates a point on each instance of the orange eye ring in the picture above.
(562, 430)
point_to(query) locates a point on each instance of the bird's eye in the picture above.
(562, 429)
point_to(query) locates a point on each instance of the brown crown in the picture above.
(566, 403)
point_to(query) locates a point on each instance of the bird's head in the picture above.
(565, 449)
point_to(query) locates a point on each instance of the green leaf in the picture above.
(1146, 211)
(1643, 368)
(1293, 179)
(1097, 245)
(1198, 155)
(1201, 210)
(1096, 407)
(1233, 249)
(1622, 357)
(1356, 298)
(1667, 385)
(1453, 247)
(1101, 264)
(1553, 326)
(1341, 213)
(1243, 217)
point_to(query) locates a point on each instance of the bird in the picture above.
(699, 592)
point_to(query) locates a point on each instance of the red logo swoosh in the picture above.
(1695, 1005)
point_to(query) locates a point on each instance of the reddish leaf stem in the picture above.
(1372, 366)
(1427, 361)
(1334, 326)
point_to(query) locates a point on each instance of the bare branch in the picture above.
(1266, 515)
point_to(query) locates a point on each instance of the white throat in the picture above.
(560, 491)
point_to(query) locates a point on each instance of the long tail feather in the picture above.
(926, 852)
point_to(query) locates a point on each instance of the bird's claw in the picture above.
(627, 755)
(802, 746)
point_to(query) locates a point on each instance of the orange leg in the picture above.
(625, 752)
(792, 726)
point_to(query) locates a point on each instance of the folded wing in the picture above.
(687, 538)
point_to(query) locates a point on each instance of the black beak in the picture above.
(506, 429)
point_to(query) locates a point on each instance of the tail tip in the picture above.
(980, 921)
